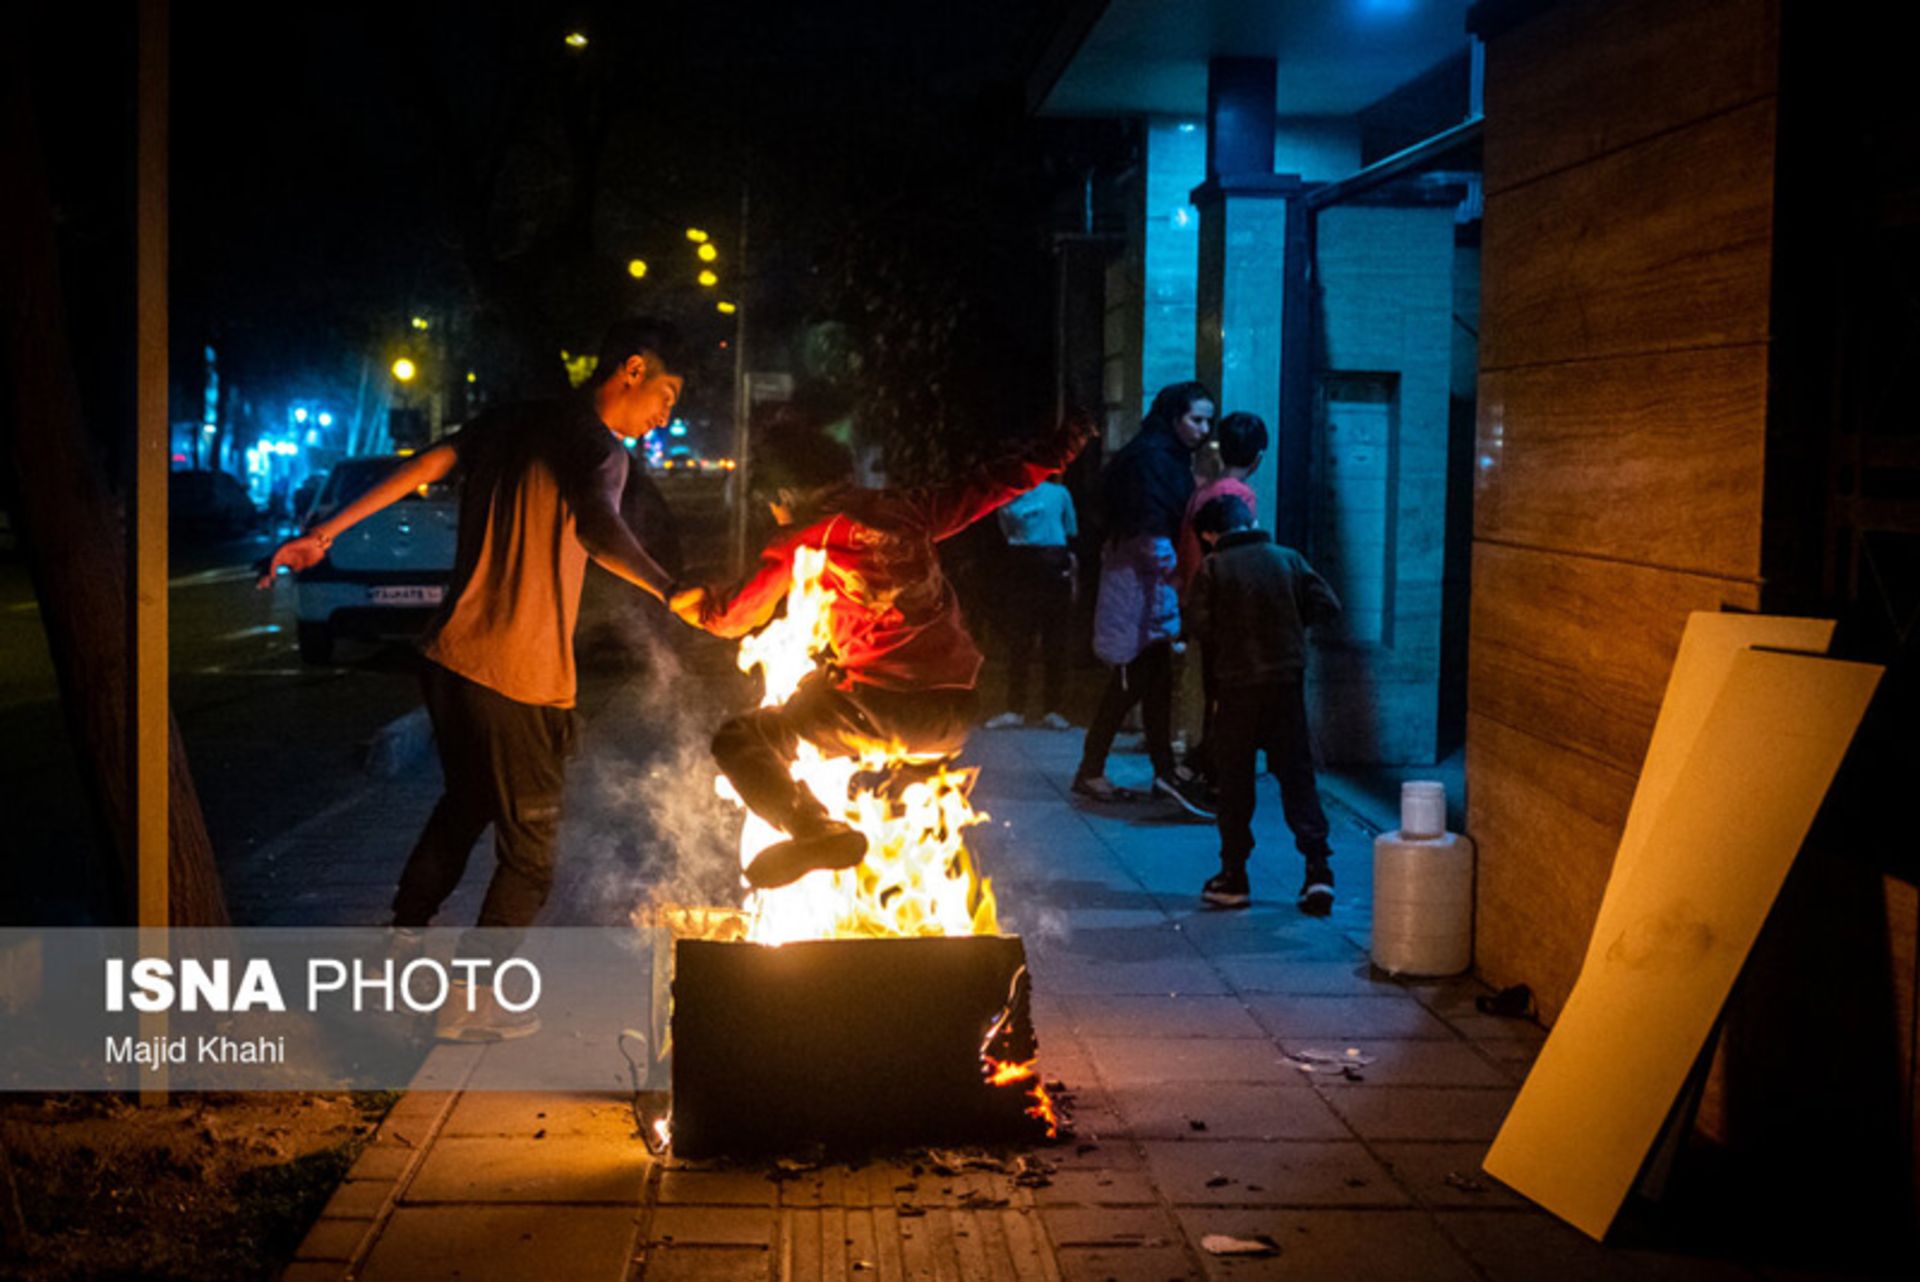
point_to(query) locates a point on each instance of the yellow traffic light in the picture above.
(636, 267)
(697, 236)
(707, 252)
(709, 280)
(404, 370)
(725, 308)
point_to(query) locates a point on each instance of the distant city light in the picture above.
(576, 39)
(697, 236)
(637, 268)
(708, 279)
(707, 252)
(209, 428)
(404, 370)
(326, 419)
(420, 323)
(472, 377)
(676, 428)
(313, 436)
(1187, 126)
(725, 309)
(300, 414)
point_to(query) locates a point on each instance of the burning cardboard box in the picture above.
(853, 1043)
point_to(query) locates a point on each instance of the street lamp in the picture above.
(637, 268)
(404, 370)
(697, 236)
(576, 39)
(725, 308)
(707, 251)
(420, 323)
(708, 280)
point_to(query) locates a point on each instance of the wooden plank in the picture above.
(1576, 650)
(1708, 649)
(1650, 458)
(1729, 829)
(1593, 76)
(152, 725)
(1665, 245)
(1545, 822)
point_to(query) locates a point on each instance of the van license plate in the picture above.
(406, 596)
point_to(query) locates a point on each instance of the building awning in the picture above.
(1149, 57)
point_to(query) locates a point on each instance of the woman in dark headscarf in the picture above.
(1137, 617)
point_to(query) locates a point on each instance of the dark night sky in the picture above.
(331, 165)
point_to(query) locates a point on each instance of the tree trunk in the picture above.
(74, 534)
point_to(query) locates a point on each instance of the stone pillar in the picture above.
(1241, 317)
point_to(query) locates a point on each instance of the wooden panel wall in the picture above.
(1625, 279)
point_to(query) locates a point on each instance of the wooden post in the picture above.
(148, 529)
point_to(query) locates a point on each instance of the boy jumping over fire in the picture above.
(902, 668)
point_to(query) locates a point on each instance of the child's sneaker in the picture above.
(1188, 792)
(1227, 889)
(1054, 721)
(1316, 892)
(1006, 721)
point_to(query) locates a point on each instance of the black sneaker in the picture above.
(1187, 792)
(1227, 889)
(1316, 892)
(833, 846)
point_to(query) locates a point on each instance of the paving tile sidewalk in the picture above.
(1172, 1026)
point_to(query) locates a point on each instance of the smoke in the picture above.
(643, 825)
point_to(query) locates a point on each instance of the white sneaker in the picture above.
(1054, 721)
(1006, 721)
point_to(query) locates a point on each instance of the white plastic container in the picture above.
(1422, 890)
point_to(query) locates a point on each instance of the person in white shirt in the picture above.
(1038, 602)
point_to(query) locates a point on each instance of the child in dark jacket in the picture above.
(1250, 606)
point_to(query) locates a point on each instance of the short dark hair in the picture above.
(639, 336)
(1242, 438)
(794, 451)
(1223, 515)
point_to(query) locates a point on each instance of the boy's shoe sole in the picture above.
(1172, 792)
(1226, 898)
(483, 1031)
(788, 861)
(1316, 901)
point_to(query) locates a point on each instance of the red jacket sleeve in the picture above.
(740, 610)
(950, 507)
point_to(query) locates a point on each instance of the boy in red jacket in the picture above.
(903, 667)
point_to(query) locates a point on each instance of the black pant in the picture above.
(1148, 681)
(1038, 606)
(754, 751)
(505, 765)
(1271, 717)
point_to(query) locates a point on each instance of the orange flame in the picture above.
(918, 877)
(1002, 1073)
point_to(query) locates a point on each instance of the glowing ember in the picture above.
(918, 877)
(999, 1073)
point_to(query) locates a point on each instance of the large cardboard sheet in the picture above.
(1683, 917)
(1707, 649)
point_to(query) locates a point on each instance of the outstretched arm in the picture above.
(952, 507)
(611, 544)
(736, 612)
(309, 549)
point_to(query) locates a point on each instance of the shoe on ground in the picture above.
(1054, 721)
(1006, 721)
(487, 1021)
(1186, 791)
(1227, 889)
(832, 847)
(1101, 788)
(1316, 892)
